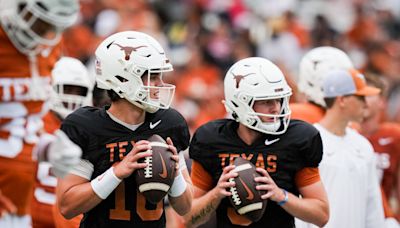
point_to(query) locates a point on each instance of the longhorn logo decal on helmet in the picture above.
(267, 82)
(128, 50)
(239, 78)
(316, 62)
(126, 59)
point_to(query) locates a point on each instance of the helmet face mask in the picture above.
(132, 64)
(72, 87)
(34, 25)
(68, 98)
(257, 79)
(275, 121)
(154, 93)
(315, 65)
(36, 29)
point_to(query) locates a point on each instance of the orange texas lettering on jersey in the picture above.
(24, 89)
(121, 149)
(24, 81)
(269, 162)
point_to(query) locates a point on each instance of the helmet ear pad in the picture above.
(257, 79)
(124, 60)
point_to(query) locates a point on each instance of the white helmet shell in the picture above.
(121, 61)
(34, 25)
(253, 79)
(70, 72)
(315, 65)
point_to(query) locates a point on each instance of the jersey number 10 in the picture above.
(120, 213)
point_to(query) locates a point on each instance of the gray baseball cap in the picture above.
(341, 82)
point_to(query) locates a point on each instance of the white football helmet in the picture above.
(72, 86)
(121, 61)
(254, 79)
(34, 25)
(313, 67)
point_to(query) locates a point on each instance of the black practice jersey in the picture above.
(105, 142)
(216, 144)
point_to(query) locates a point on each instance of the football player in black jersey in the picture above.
(287, 153)
(129, 65)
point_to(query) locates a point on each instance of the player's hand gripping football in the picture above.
(63, 154)
(174, 157)
(223, 184)
(130, 162)
(273, 192)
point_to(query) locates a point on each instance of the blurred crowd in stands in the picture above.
(204, 37)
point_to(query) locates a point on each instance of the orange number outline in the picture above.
(120, 213)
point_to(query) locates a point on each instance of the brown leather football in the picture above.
(155, 180)
(245, 198)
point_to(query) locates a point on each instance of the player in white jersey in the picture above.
(348, 168)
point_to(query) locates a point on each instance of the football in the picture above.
(245, 198)
(155, 180)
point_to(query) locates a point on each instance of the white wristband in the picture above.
(179, 186)
(105, 183)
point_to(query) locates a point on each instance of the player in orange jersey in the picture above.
(385, 138)
(29, 33)
(313, 66)
(72, 89)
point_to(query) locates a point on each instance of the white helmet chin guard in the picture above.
(315, 65)
(70, 74)
(34, 25)
(253, 79)
(121, 61)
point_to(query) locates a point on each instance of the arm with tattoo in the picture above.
(205, 203)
